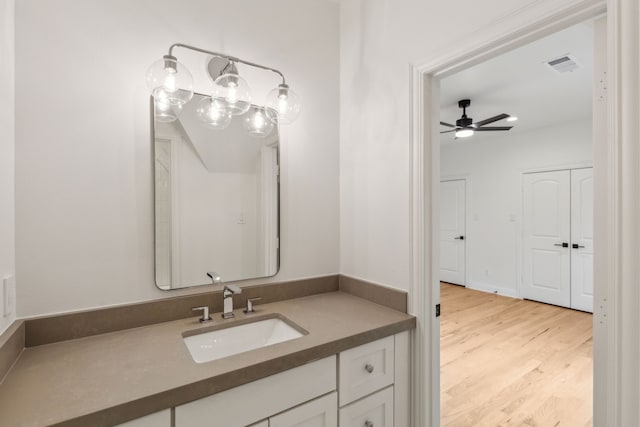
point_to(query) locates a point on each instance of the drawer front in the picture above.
(158, 419)
(249, 403)
(372, 411)
(322, 412)
(366, 369)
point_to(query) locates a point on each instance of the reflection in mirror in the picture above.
(216, 201)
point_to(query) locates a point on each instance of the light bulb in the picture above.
(212, 114)
(232, 94)
(283, 105)
(173, 78)
(234, 91)
(164, 110)
(169, 83)
(257, 123)
(464, 133)
(512, 119)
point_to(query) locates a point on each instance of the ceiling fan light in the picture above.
(512, 119)
(464, 133)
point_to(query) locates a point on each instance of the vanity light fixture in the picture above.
(512, 119)
(171, 85)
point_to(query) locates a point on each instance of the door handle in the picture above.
(577, 246)
(459, 238)
(563, 244)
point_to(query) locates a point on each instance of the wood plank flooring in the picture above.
(508, 362)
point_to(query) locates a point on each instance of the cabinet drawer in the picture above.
(249, 403)
(322, 412)
(372, 411)
(365, 369)
(158, 419)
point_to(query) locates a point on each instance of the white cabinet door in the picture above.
(322, 412)
(452, 231)
(546, 221)
(157, 419)
(582, 239)
(372, 411)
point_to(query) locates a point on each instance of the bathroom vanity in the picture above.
(350, 365)
(363, 386)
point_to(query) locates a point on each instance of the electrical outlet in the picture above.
(8, 295)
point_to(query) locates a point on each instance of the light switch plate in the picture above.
(8, 295)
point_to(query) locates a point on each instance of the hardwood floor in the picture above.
(508, 362)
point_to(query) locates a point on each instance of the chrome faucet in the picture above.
(227, 295)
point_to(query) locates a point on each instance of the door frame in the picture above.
(616, 336)
(466, 179)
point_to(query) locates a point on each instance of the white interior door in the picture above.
(546, 228)
(452, 231)
(582, 239)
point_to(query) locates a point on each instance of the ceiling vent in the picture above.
(563, 64)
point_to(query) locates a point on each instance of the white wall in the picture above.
(493, 168)
(84, 206)
(379, 41)
(7, 149)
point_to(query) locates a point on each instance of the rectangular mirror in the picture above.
(217, 201)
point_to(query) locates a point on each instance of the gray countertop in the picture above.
(111, 378)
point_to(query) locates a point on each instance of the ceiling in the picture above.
(520, 83)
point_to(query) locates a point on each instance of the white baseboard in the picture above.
(492, 289)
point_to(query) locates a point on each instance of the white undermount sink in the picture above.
(226, 341)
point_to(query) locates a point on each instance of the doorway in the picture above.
(516, 112)
(514, 217)
(616, 387)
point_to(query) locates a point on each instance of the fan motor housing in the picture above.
(464, 122)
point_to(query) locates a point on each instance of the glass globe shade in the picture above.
(164, 110)
(173, 78)
(212, 114)
(283, 105)
(257, 123)
(234, 91)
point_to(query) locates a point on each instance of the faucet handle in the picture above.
(250, 303)
(205, 313)
(232, 289)
(215, 277)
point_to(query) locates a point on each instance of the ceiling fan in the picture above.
(465, 126)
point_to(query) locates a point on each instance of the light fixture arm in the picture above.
(230, 58)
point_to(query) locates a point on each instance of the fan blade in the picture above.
(447, 124)
(490, 120)
(448, 131)
(492, 128)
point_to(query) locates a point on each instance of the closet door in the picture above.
(546, 243)
(582, 239)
